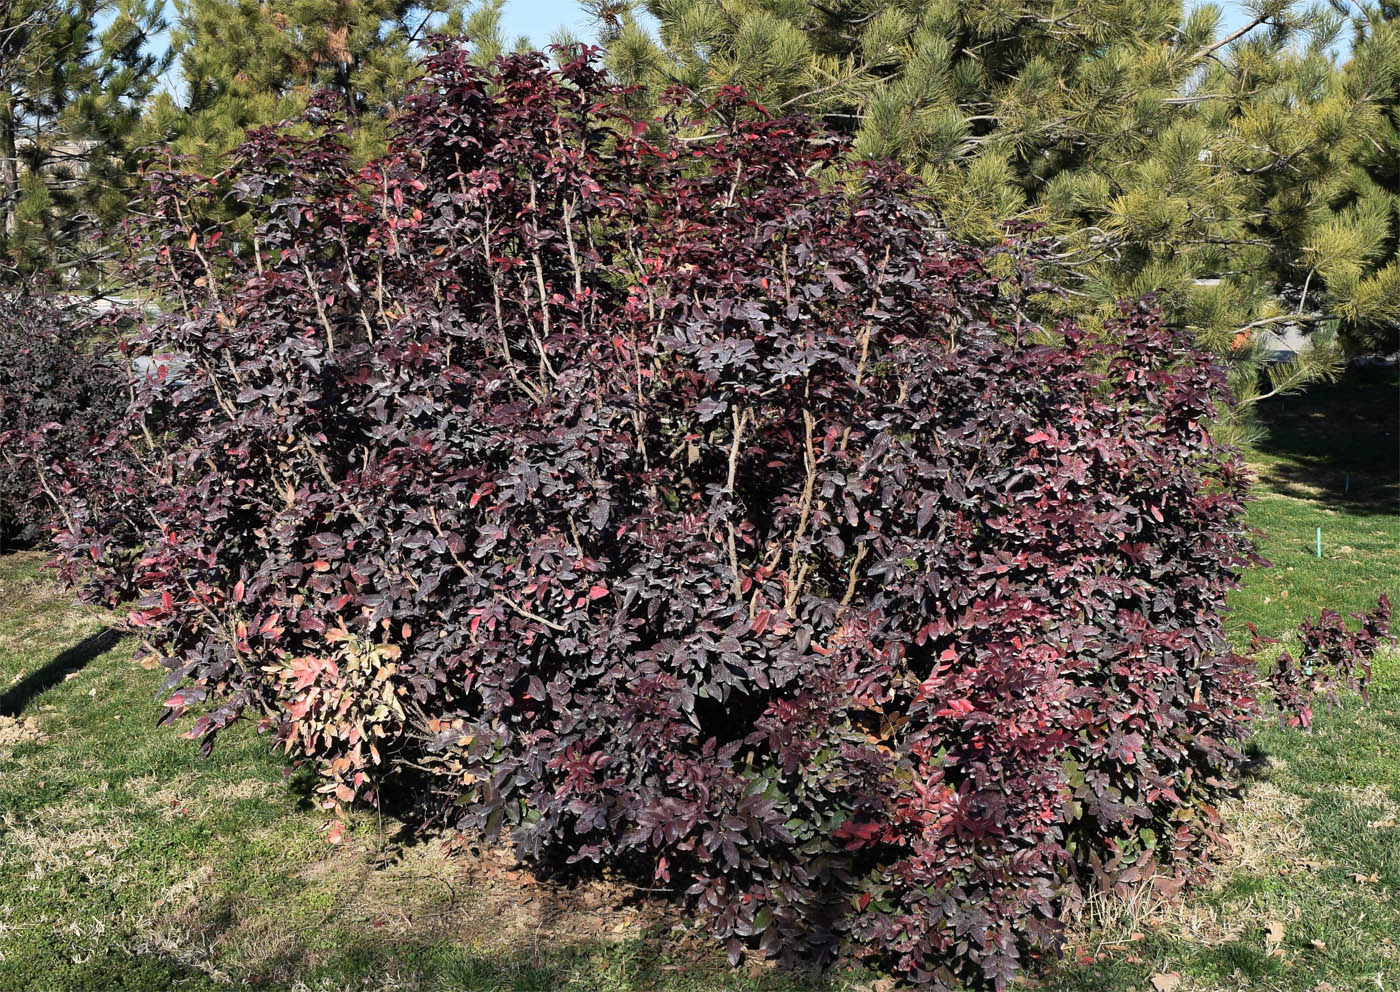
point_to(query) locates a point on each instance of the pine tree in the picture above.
(481, 25)
(1159, 152)
(247, 63)
(74, 76)
(1368, 194)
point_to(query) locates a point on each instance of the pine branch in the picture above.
(854, 75)
(1284, 318)
(1210, 50)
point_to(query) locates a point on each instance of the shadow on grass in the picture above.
(105, 970)
(17, 697)
(346, 923)
(1339, 443)
(630, 966)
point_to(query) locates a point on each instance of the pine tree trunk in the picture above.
(9, 127)
(9, 168)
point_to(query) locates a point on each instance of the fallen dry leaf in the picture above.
(1168, 888)
(1273, 935)
(1168, 981)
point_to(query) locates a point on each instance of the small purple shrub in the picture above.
(58, 395)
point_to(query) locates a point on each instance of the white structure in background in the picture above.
(68, 156)
(1282, 341)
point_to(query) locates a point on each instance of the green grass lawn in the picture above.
(1331, 460)
(127, 863)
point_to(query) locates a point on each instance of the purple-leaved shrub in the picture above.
(693, 507)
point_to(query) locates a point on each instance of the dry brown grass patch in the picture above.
(421, 895)
(62, 837)
(1262, 834)
(1371, 797)
(15, 731)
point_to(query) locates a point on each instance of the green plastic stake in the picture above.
(1346, 489)
(1319, 542)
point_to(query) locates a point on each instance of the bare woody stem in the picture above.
(740, 420)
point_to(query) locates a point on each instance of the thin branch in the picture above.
(1284, 318)
(532, 616)
(1210, 50)
(740, 420)
(320, 310)
(861, 549)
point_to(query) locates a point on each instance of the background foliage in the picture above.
(58, 396)
(72, 95)
(245, 63)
